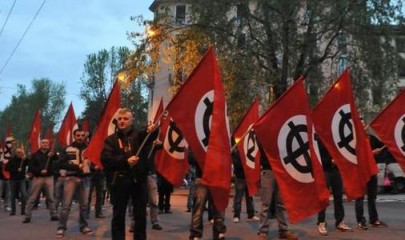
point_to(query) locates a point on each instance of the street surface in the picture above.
(391, 209)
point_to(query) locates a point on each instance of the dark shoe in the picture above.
(55, 218)
(157, 226)
(362, 226)
(287, 235)
(188, 210)
(168, 211)
(12, 213)
(27, 220)
(160, 212)
(100, 216)
(379, 224)
(86, 231)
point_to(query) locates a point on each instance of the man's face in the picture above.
(44, 144)
(79, 136)
(124, 120)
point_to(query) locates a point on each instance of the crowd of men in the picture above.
(67, 176)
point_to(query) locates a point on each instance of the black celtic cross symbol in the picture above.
(302, 150)
(206, 120)
(345, 140)
(251, 139)
(174, 143)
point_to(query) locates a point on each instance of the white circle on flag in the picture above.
(399, 128)
(339, 134)
(174, 136)
(248, 144)
(295, 145)
(113, 124)
(202, 125)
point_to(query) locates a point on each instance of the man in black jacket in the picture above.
(77, 178)
(124, 156)
(41, 165)
(17, 168)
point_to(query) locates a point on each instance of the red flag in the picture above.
(69, 124)
(199, 111)
(338, 125)
(34, 137)
(105, 126)
(170, 161)
(4, 161)
(389, 125)
(248, 148)
(290, 151)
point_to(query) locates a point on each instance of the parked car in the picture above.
(390, 178)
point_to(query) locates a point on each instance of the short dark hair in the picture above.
(77, 130)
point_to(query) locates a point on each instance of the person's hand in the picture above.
(157, 142)
(133, 160)
(44, 172)
(19, 169)
(378, 150)
(50, 154)
(151, 127)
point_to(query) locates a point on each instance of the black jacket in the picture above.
(14, 164)
(38, 162)
(114, 158)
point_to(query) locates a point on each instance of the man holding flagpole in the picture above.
(125, 156)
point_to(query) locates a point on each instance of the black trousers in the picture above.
(124, 189)
(334, 181)
(371, 202)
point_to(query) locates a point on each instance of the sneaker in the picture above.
(362, 226)
(235, 219)
(60, 232)
(27, 220)
(323, 231)
(221, 236)
(54, 218)
(212, 221)
(100, 215)
(343, 227)
(157, 226)
(379, 224)
(254, 218)
(86, 231)
(287, 235)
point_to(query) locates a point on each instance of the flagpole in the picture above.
(236, 143)
(149, 133)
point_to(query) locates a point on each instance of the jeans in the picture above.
(268, 191)
(240, 191)
(202, 195)
(71, 184)
(334, 181)
(152, 198)
(191, 195)
(5, 186)
(18, 186)
(37, 184)
(371, 202)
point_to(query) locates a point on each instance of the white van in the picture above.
(390, 178)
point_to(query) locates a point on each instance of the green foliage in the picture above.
(100, 72)
(45, 95)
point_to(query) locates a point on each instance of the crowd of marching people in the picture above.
(66, 176)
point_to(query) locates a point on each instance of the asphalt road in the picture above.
(175, 226)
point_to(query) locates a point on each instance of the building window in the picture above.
(400, 45)
(342, 64)
(401, 68)
(181, 14)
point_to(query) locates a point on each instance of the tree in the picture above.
(100, 71)
(45, 95)
(264, 45)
